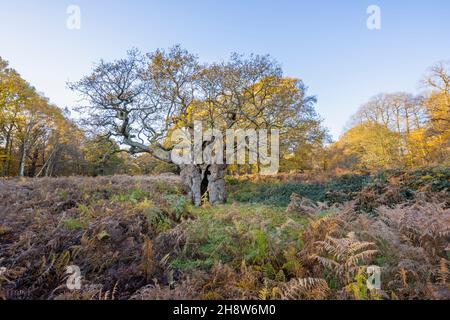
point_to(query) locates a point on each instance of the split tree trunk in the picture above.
(204, 183)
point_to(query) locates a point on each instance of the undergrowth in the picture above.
(342, 188)
(139, 238)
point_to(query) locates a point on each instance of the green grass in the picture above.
(158, 219)
(134, 195)
(72, 224)
(279, 194)
(337, 190)
(257, 234)
(177, 204)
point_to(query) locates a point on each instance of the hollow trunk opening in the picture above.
(201, 180)
(204, 186)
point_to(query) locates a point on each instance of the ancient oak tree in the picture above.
(140, 100)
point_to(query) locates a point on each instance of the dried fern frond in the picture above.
(423, 224)
(184, 290)
(316, 233)
(148, 265)
(353, 260)
(443, 272)
(344, 256)
(305, 289)
(264, 294)
(303, 206)
(326, 262)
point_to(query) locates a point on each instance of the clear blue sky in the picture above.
(325, 43)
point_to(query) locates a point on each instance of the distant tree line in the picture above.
(399, 130)
(37, 138)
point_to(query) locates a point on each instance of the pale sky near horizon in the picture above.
(324, 42)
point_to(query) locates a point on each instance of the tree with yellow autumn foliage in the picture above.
(399, 130)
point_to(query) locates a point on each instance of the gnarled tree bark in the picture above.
(203, 182)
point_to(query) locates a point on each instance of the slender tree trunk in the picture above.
(22, 160)
(5, 162)
(8, 148)
(8, 166)
(52, 164)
